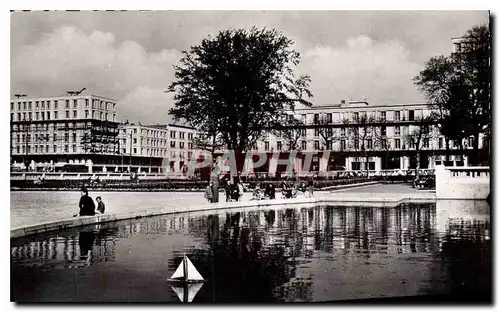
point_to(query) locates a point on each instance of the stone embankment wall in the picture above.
(462, 182)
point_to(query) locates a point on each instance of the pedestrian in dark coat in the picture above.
(209, 193)
(214, 179)
(311, 188)
(100, 205)
(227, 189)
(86, 204)
(272, 191)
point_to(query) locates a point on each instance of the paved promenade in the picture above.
(388, 188)
(368, 196)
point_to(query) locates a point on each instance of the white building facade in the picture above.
(389, 143)
(63, 130)
(168, 147)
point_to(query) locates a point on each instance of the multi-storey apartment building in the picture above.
(65, 131)
(180, 146)
(359, 136)
(80, 133)
(157, 147)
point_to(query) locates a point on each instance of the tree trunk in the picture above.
(418, 159)
(366, 162)
(213, 149)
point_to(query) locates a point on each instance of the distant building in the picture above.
(80, 133)
(180, 145)
(169, 146)
(66, 131)
(339, 130)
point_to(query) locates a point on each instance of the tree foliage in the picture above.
(459, 86)
(235, 85)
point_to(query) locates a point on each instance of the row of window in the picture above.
(328, 132)
(41, 116)
(153, 133)
(152, 152)
(55, 149)
(28, 105)
(160, 134)
(44, 149)
(43, 137)
(61, 126)
(160, 153)
(163, 143)
(181, 135)
(153, 142)
(358, 116)
(182, 145)
(357, 144)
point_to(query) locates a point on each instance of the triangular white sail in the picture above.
(193, 289)
(180, 292)
(193, 274)
(180, 271)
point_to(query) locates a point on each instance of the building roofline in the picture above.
(103, 97)
(181, 126)
(340, 106)
(23, 99)
(165, 126)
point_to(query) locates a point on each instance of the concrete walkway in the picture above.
(385, 188)
(362, 196)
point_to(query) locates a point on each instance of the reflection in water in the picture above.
(74, 250)
(187, 292)
(308, 254)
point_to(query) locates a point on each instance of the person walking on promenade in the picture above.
(302, 189)
(311, 188)
(227, 189)
(209, 193)
(86, 204)
(100, 205)
(240, 190)
(214, 180)
(256, 191)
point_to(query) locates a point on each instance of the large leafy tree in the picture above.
(459, 86)
(236, 85)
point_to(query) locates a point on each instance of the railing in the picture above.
(114, 176)
(470, 172)
(32, 176)
(462, 182)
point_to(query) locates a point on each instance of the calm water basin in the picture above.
(271, 255)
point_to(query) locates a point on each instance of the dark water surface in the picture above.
(274, 255)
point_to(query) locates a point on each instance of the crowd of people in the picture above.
(234, 190)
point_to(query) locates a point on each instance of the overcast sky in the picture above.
(128, 56)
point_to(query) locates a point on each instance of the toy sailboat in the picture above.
(186, 273)
(187, 279)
